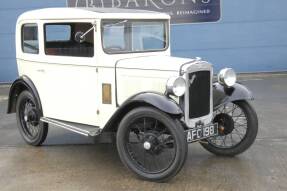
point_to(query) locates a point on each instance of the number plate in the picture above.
(201, 132)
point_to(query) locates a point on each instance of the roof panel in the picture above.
(90, 13)
(117, 10)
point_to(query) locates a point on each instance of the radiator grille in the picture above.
(199, 94)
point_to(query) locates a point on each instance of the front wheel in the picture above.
(237, 127)
(151, 144)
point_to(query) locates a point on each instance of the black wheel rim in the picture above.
(150, 145)
(29, 118)
(233, 126)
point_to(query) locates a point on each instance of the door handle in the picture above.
(41, 70)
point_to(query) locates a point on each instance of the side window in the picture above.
(30, 43)
(114, 38)
(62, 39)
(148, 36)
(58, 33)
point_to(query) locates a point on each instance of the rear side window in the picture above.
(30, 43)
(62, 39)
(58, 33)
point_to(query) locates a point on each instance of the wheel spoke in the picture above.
(233, 136)
(239, 134)
(134, 143)
(155, 161)
(144, 125)
(144, 152)
(232, 141)
(224, 140)
(155, 124)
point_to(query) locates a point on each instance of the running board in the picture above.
(86, 130)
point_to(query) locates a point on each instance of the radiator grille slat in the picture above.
(199, 94)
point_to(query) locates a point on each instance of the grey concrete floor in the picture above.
(68, 161)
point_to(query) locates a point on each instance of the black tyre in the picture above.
(238, 126)
(28, 117)
(151, 144)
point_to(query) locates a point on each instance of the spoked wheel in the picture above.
(28, 117)
(151, 144)
(237, 127)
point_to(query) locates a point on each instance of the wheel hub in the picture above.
(225, 123)
(32, 117)
(147, 145)
(26, 118)
(151, 143)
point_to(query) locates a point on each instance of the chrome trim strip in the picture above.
(181, 70)
(66, 126)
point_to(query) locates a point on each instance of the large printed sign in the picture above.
(181, 11)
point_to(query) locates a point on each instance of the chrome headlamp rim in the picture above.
(176, 86)
(227, 77)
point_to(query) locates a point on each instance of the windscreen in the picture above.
(125, 36)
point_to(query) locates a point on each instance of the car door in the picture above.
(69, 90)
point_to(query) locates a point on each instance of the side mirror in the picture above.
(80, 36)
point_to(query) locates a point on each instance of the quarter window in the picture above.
(30, 43)
(63, 39)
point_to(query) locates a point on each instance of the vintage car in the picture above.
(108, 74)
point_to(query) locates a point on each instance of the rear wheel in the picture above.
(28, 116)
(151, 144)
(237, 127)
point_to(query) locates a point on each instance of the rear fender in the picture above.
(19, 85)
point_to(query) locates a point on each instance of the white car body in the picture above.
(70, 88)
(108, 74)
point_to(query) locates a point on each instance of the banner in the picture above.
(181, 11)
